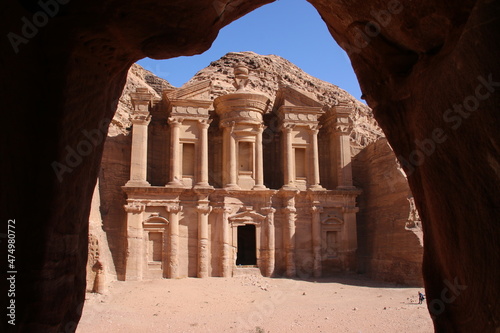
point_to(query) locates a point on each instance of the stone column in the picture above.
(135, 247)
(271, 241)
(203, 170)
(173, 258)
(203, 211)
(139, 152)
(225, 262)
(342, 148)
(226, 246)
(316, 239)
(314, 180)
(259, 160)
(289, 164)
(229, 157)
(233, 172)
(175, 163)
(289, 238)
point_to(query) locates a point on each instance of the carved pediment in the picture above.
(288, 96)
(155, 220)
(332, 221)
(190, 91)
(247, 217)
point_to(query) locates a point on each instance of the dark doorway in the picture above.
(247, 249)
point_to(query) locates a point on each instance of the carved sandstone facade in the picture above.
(251, 183)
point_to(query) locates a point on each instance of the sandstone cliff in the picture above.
(137, 77)
(390, 242)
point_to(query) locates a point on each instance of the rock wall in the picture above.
(390, 244)
(100, 265)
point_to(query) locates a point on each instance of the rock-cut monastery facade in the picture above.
(252, 184)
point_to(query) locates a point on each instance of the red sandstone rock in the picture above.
(387, 247)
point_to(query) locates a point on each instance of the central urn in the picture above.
(241, 119)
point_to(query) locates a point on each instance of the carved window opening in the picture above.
(332, 244)
(247, 245)
(300, 163)
(155, 247)
(154, 234)
(245, 157)
(188, 159)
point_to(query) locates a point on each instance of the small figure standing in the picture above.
(421, 297)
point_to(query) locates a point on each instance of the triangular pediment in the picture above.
(288, 96)
(190, 91)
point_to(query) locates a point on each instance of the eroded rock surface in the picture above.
(389, 247)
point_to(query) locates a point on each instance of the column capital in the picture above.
(316, 209)
(287, 128)
(261, 128)
(227, 124)
(175, 121)
(204, 122)
(219, 209)
(314, 128)
(203, 209)
(343, 126)
(134, 207)
(173, 208)
(140, 118)
(268, 210)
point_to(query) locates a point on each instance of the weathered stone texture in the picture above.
(100, 265)
(387, 248)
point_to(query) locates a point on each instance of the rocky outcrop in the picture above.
(389, 229)
(100, 266)
(137, 77)
(414, 60)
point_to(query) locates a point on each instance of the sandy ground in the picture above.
(255, 304)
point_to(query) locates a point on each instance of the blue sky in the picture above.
(291, 29)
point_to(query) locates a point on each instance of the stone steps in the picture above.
(246, 270)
